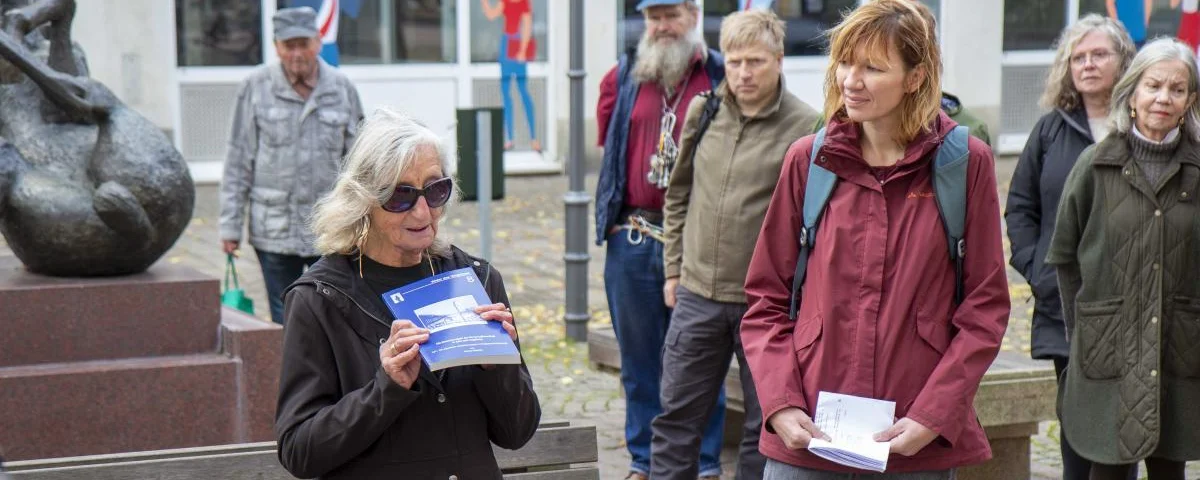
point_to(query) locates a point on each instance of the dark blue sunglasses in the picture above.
(436, 194)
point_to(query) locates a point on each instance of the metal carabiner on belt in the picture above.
(634, 235)
(644, 229)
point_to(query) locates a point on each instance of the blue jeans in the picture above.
(633, 282)
(279, 271)
(509, 70)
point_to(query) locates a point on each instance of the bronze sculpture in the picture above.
(88, 187)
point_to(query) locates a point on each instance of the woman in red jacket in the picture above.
(878, 315)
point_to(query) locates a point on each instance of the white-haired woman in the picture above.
(1091, 56)
(355, 399)
(1127, 250)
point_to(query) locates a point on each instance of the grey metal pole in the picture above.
(576, 199)
(483, 146)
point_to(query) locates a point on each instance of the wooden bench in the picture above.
(557, 451)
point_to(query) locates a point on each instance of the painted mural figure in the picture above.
(517, 48)
(1189, 23)
(1134, 14)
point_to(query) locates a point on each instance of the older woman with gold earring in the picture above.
(355, 399)
(1127, 250)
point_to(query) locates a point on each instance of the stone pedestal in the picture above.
(141, 362)
(1016, 393)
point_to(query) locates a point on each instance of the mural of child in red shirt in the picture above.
(517, 48)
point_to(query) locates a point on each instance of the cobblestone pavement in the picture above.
(529, 247)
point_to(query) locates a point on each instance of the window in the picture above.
(1164, 20)
(1033, 24)
(805, 21)
(486, 34)
(218, 33)
(390, 31)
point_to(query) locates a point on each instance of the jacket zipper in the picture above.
(724, 186)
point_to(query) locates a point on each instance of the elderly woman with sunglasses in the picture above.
(355, 399)
(1127, 251)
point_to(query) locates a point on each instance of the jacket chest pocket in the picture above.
(275, 126)
(804, 339)
(1183, 338)
(933, 329)
(270, 216)
(331, 126)
(1103, 339)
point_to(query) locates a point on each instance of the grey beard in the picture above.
(665, 63)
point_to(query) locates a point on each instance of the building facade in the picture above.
(180, 62)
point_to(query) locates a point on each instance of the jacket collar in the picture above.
(843, 137)
(1114, 150)
(1078, 120)
(728, 98)
(282, 87)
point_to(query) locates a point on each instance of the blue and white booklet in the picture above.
(445, 305)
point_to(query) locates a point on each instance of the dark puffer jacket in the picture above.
(1052, 149)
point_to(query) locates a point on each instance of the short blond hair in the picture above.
(878, 26)
(750, 28)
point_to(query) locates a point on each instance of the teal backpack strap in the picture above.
(817, 189)
(950, 191)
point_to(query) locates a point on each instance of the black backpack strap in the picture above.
(712, 103)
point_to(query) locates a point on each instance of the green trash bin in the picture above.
(468, 148)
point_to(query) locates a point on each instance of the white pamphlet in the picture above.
(852, 422)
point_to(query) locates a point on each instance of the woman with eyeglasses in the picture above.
(1091, 56)
(1127, 252)
(355, 399)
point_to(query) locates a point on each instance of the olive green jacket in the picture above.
(716, 202)
(1128, 256)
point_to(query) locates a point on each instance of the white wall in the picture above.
(972, 48)
(600, 55)
(130, 47)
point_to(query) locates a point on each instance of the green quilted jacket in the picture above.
(1132, 388)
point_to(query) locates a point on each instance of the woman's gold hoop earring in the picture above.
(362, 242)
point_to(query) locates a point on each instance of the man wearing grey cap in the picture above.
(640, 116)
(292, 124)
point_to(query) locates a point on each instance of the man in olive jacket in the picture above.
(715, 203)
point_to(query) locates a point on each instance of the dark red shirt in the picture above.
(644, 125)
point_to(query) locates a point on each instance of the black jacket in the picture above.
(1053, 146)
(340, 416)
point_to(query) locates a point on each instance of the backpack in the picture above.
(949, 190)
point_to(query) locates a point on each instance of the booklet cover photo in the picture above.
(445, 305)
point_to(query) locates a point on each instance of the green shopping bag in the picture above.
(235, 297)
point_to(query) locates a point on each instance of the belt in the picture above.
(652, 216)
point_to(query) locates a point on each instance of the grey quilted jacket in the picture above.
(1128, 257)
(284, 153)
